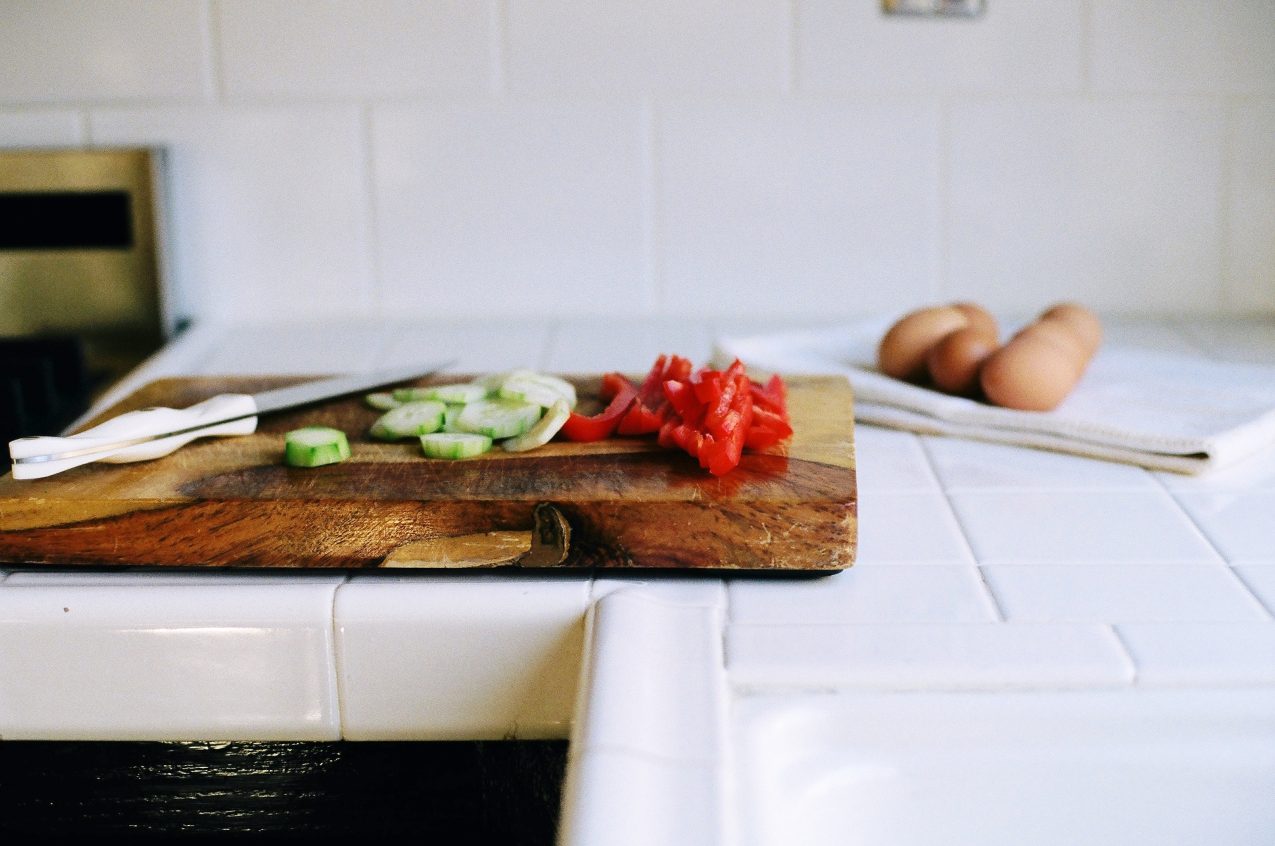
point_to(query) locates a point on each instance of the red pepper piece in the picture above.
(761, 435)
(689, 439)
(678, 368)
(651, 390)
(712, 415)
(707, 385)
(681, 395)
(726, 453)
(764, 418)
(641, 420)
(652, 409)
(734, 386)
(603, 424)
(772, 396)
(759, 439)
(612, 384)
(665, 436)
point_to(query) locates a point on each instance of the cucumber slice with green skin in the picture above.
(541, 433)
(454, 445)
(382, 401)
(539, 388)
(450, 416)
(409, 420)
(402, 395)
(498, 418)
(492, 381)
(315, 446)
(456, 394)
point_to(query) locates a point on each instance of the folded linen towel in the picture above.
(1159, 410)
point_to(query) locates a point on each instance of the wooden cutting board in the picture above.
(619, 503)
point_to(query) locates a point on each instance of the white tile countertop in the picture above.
(1031, 647)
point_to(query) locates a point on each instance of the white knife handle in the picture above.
(117, 440)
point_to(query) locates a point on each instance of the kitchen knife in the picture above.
(154, 432)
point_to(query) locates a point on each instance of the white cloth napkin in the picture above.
(1159, 410)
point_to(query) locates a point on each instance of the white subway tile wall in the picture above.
(778, 158)
(63, 51)
(1115, 202)
(614, 47)
(268, 216)
(1223, 46)
(509, 208)
(285, 50)
(797, 206)
(1021, 48)
(1250, 203)
(40, 128)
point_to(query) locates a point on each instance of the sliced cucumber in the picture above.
(539, 388)
(544, 430)
(454, 445)
(409, 420)
(314, 446)
(382, 401)
(498, 418)
(450, 416)
(456, 394)
(492, 381)
(498, 406)
(402, 395)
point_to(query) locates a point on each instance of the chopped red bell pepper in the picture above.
(773, 395)
(731, 381)
(603, 424)
(713, 415)
(641, 420)
(652, 409)
(654, 377)
(761, 435)
(678, 368)
(612, 384)
(681, 396)
(707, 385)
(768, 428)
(677, 434)
(730, 432)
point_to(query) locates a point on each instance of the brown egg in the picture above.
(1082, 322)
(979, 317)
(902, 351)
(1059, 334)
(1030, 373)
(955, 360)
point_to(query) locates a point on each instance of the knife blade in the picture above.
(154, 432)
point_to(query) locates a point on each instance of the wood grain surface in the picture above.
(623, 502)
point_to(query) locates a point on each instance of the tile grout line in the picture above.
(1269, 612)
(1222, 560)
(652, 210)
(374, 294)
(215, 85)
(1225, 298)
(1219, 557)
(943, 211)
(1136, 679)
(1086, 49)
(337, 675)
(498, 13)
(724, 716)
(792, 18)
(989, 595)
